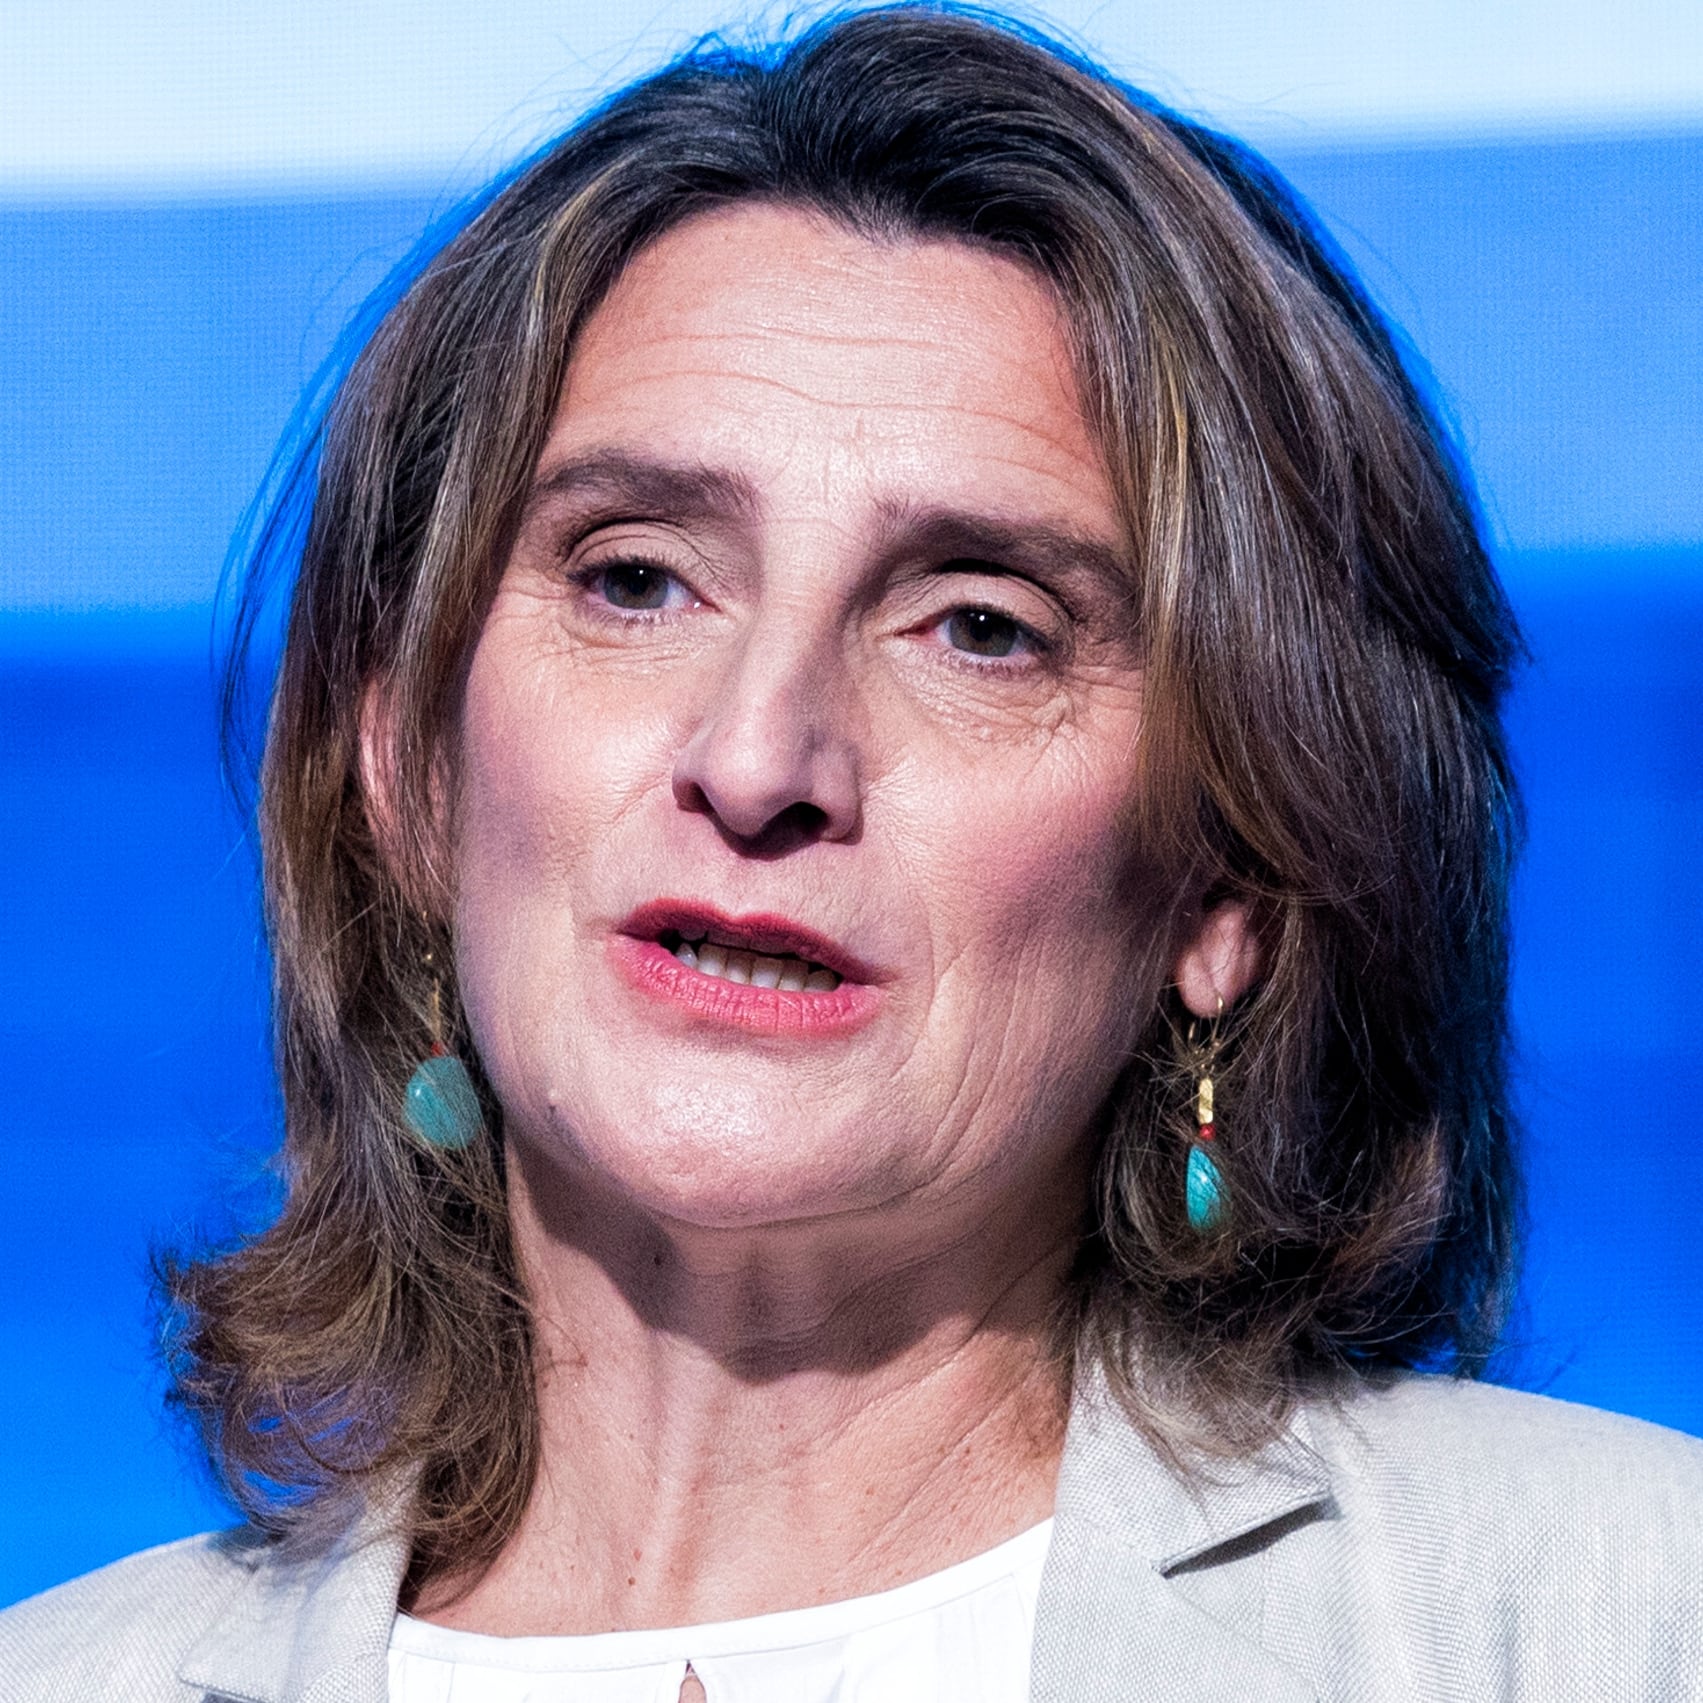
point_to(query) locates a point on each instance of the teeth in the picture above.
(725, 963)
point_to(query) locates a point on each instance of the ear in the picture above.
(378, 770)
(407, 856)
(1220, 960)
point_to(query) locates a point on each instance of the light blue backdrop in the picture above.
(150, 355)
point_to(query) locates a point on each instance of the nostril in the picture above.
(803, 817)
(797, 825)
(692, 797)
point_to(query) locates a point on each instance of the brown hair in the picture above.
(1325, 645)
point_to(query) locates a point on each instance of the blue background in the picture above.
(149, 358)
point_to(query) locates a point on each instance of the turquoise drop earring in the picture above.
(1204, 1183)
(441, 1106)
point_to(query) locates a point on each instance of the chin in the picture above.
(718, 1158)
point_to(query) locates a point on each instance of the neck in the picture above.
(735, 1422)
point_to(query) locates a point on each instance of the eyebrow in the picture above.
(1061, 557)
(619, 478)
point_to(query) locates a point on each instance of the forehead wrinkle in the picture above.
(819, 395)
(815, 381)
(681, 326)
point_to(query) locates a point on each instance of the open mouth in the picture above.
(723, 961)
(759, 971)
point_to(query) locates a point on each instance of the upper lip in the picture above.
(762, 932)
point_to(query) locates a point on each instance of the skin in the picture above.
(793, 1292)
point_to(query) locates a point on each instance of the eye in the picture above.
(636, 585)
(987, 632)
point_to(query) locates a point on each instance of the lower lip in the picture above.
(655, 971)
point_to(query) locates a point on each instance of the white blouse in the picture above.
(958, 1636)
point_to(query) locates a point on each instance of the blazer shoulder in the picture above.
(122, 1631)
(1495, 1543)
(1484, 1435)
(1492, 1469)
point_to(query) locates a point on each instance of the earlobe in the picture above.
(1221, 959)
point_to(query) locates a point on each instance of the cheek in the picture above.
(517, 814)
(1044, 905)
(551, 758)
(547, 776)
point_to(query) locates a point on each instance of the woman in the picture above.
(886, 840)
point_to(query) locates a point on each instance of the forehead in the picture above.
(779, 347)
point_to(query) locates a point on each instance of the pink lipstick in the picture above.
(757, 971)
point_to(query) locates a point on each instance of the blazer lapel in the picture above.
(1115, 1620)
(308, 1632)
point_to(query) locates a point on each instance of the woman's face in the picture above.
(813, 666)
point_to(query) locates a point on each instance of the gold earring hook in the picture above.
(1195, 1022)
(436, 1006)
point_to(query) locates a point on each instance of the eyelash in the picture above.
(1034, 648)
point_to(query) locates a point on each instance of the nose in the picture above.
(773, 759)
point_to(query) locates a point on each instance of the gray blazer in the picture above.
(1428, 1539)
